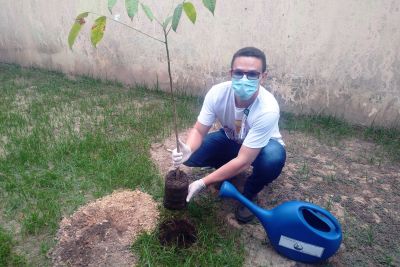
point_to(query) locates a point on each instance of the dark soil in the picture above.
(176, 190)
(180, 233)
(74, 254)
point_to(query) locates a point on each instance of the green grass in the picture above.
(8, 257)
(216, 244)
(333, 130)
(65, 142)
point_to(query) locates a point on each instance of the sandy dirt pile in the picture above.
(102, 232)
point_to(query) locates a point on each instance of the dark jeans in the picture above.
(217, 149)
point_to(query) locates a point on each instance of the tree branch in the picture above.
(130, 27)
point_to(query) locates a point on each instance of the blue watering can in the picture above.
(298, 230)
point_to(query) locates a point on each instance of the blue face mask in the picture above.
(244, 88)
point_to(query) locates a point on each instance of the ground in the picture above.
(65, 142)
(351, 178)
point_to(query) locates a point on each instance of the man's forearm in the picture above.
(230, 169)
(237, 165)
(196, 135)
(194, 139)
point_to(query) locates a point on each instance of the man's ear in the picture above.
(264, 76)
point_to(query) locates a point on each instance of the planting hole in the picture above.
(179, 233)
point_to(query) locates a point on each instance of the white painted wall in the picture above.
(338, 57)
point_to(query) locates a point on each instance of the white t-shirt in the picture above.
(253, 130)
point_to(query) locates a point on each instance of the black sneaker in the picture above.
(243, 214)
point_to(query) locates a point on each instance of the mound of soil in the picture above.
(102, 232)
(180, 233)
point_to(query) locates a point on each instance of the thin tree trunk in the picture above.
(172, 96)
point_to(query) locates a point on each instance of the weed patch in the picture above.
(332, 130)
(7, 256)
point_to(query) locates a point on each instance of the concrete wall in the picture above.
(338, 57)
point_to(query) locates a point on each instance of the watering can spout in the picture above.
(228, 190)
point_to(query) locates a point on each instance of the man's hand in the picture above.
(195, 188)
(180, 157)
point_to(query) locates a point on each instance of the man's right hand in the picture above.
(180, 157)
(195, 188)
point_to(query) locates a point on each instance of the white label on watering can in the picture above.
(301, 246)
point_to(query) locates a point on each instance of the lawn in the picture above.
(65, 141)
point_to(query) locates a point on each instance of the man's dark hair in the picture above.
(251, 52)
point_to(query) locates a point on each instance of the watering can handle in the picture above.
(323, 218)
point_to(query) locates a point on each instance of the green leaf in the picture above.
(76, 28)
(148, 12)
(111, 4)
(98, 29)
(210, 5)
(190, 11)
(132, 7)
(166, 22)
(176, 17)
